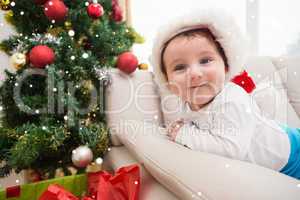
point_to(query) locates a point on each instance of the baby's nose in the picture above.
(195, 72)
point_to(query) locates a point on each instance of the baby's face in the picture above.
(195, 70)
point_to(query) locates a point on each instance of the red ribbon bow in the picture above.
(124, 185)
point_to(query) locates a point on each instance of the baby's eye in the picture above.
(179, 67)
(205, 60)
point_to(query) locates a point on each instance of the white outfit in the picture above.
(232, 126)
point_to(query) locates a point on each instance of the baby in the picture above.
(195, 57)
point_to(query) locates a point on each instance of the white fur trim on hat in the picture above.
(222, 25)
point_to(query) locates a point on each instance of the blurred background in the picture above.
(272, 26)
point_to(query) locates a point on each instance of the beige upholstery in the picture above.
(195, 175)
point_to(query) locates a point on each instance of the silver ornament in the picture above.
(82, 156)
(103, 76)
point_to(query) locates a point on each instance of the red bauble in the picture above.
(117, 14)
(127, 62)
(95, 10)
(55, 10)
(40, 2)
(41, 55)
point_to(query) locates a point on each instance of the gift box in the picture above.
(123, 185)
(76, 184)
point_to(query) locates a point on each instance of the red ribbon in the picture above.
(56, 192)
(124, 185)
(244, 81)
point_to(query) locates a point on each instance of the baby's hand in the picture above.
(173, 129)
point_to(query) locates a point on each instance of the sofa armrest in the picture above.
(131, 97)
(196, 175)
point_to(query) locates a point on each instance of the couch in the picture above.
(137, 116)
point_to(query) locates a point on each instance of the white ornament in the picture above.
(85, 55)
(82, 156)
(99, 161)
(71, 33)
(13, 4)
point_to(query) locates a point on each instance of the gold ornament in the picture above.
(5, 4)
(95, 166)
(68, 25)
(18, 60)
(55, 31)
(9, 17)
(143, 66)
(137, 37)
(82, 40)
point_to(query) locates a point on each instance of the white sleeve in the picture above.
(228, 134)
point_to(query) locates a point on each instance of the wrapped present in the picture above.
(76, 184)
(124, 185)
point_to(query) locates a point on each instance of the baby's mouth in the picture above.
(197, 86)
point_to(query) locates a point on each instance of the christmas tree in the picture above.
(53, 103)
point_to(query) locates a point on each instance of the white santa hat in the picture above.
(223, 27)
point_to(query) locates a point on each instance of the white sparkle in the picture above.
(243, 82)
(1, 108)
(199, 193)
(17, 181)
(37, 111)
(50, 3)
(22, 13)
(136, 182)
(67, 72)
(1, 24)
(74, 151)
(99, 161)
(46, 9)
(295, 73)
(227, 165)
(258, 75)
(86, 4)
(26, 37)
(177, 126)
(44, 128)
(155, 117)
(30, 85)
(69, 47)
(108, 149)
(16, 84)
(54, 89)
(53, 21)
(298, 185)
(13, 4)
(97, 35)
(65, 117)
(72, 57)
(77, 86)
(85, 55)
(26, 131)
(71, 33)
(21, 34)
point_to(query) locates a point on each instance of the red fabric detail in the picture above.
(245, 81)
